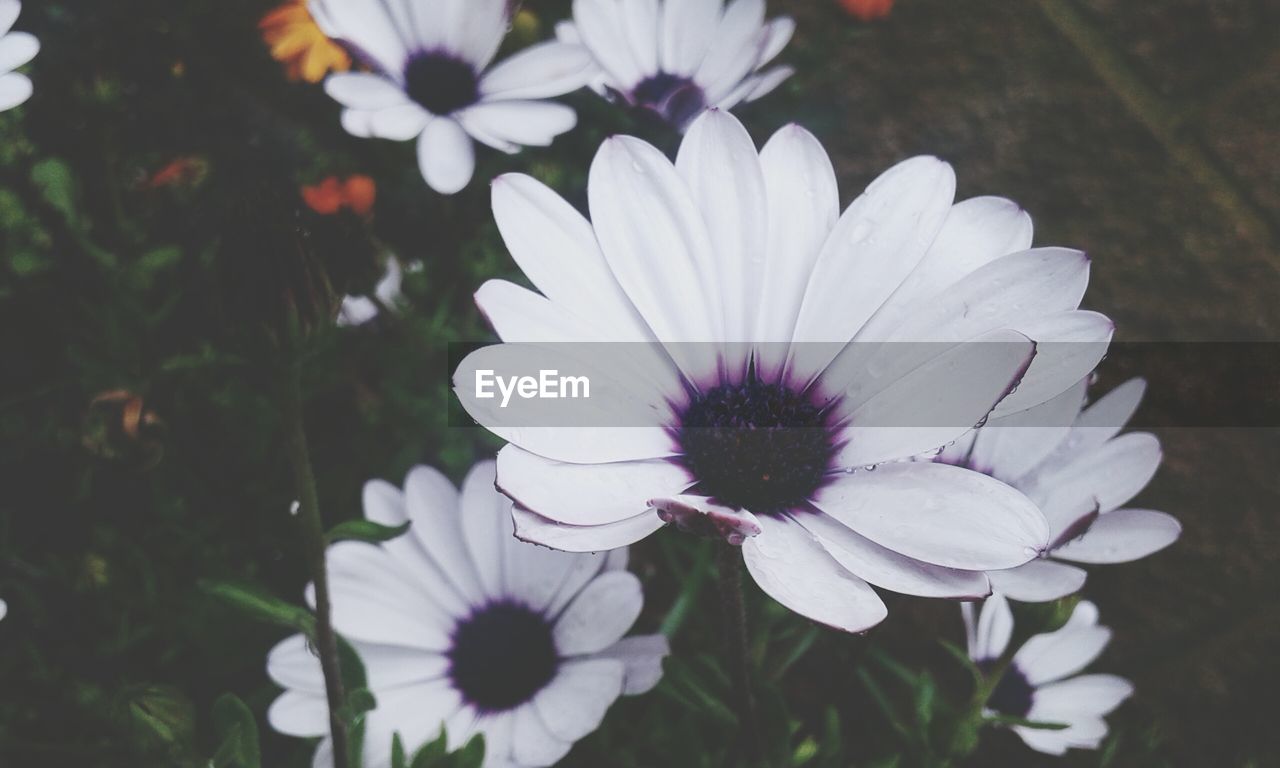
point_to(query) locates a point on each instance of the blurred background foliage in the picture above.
(148, 205)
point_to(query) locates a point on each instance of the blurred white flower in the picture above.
(16, 49)
(1075, 465)
(676, 58)
(358, 310)
(764, 439)
(463, 627)
(1038, 685)
(4, 609)
(432, 80)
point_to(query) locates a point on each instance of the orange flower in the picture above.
(297, 41)
(186, 171)
(867, 10)
(328, 197)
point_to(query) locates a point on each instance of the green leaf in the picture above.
(431, 753)
(261, 605)
(58, 187)
(238, 730)
(366, 531)
(1000, 719)
(398, 757)
(924, 700)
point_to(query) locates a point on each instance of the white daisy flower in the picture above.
(358, 310)
(676, 58)
(729, 245)
(1075, 465)
(16, 49)
(432, 80)
(462, 627)
(1038, 685)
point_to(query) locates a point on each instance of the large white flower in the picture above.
(16, 49)
(768, 442)
(432, 80)
(1081, 471)
(463, 627)
(676, 58)
(1038, 685)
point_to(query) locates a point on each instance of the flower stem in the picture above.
(311, 527)
(734, 614)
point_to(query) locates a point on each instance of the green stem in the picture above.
(311, 527)
(734, 612)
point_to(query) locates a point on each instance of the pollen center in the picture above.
(502, 655)
(1013, 694)
(676, 99)
(441, 83)
(756, 446)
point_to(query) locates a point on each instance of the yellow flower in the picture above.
(298, 43)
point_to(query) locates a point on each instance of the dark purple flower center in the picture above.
(755, 445)
(440, 82)
(1013, 694)
(676, 99)
(502, 654)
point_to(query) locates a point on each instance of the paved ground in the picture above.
(996, 88)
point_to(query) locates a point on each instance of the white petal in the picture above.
(804, 205)
(718, 162)
(640, 409)
(574, 703)
(640, 208)
(323, 758)
(642, 656)
(538, 72)
(735, 49)
(417, 712)
(640, 23)
(1054, 655)
(522, 122)
(1102, 420)
(977, 231)
(532, 743)
(603, 31)
(536, 529)
(299, 714)
(1112, 474)
(600, 615)
(486, 526)
(791, 566)
(1008, 292)
(888, 569)
(1088, 695)
(385, 504)
(432, 505)
(16, 49)
(586, 494)
(929, 406)
(377, 601)
(367, 26)
(446, 156)
(519, 315)
(995, 628)
(403, 122)
(1122, 536)
(291, 664)
(392, 666)
(556, 248)
(688, 29)
(1038, 581)
(1069, 346)
(14, 90)
(1013, 446)
(364, 91)
(584, 568)
(9, 10)
(939, 514)
(874, 246)
(475, 28)
(765, 83)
